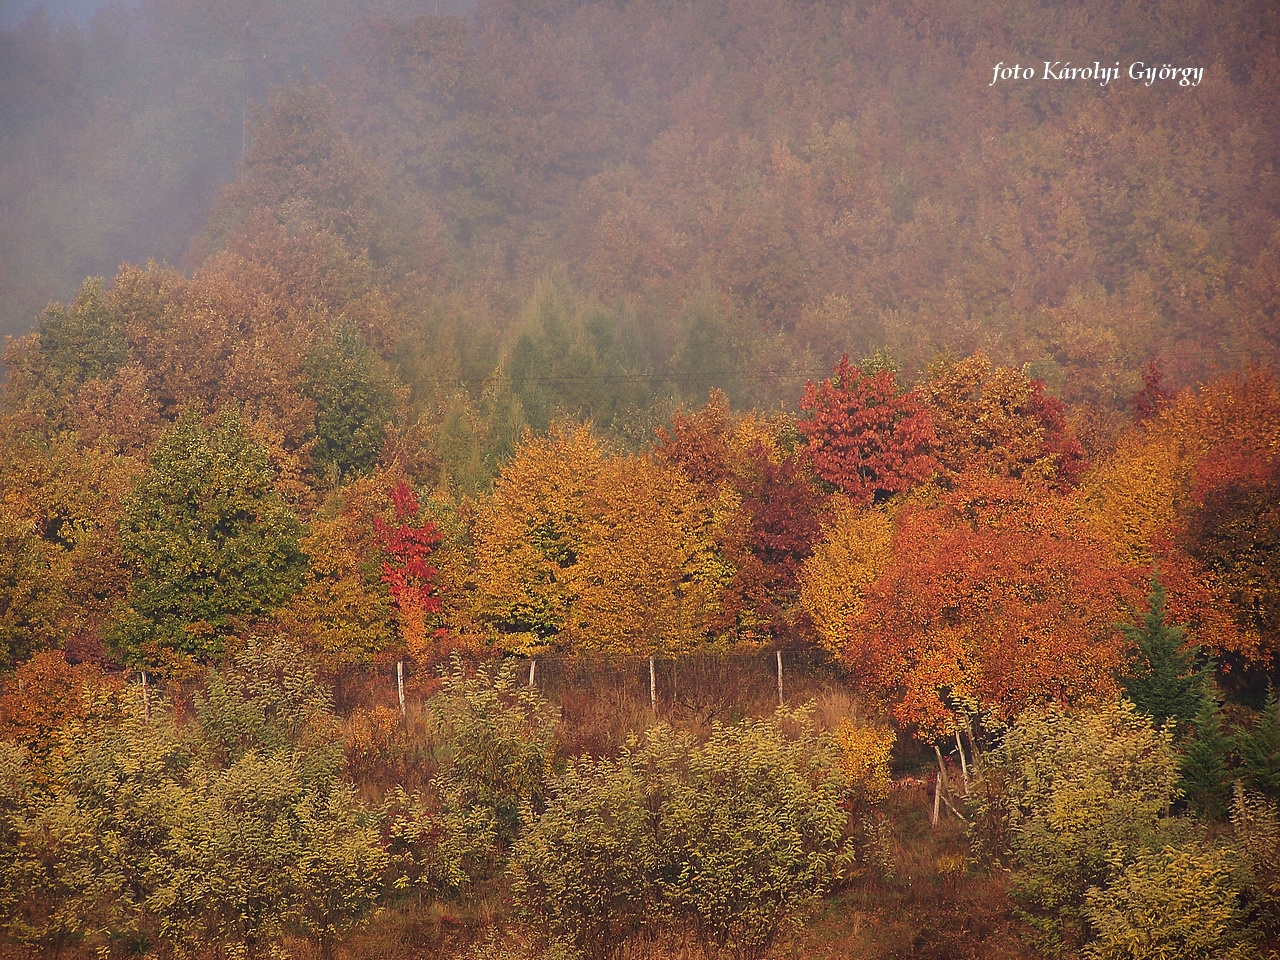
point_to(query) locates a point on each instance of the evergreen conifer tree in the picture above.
(1206, 778)
(1260, 750)
(1162, 679)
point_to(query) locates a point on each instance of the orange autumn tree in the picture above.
(47, 694)
(1233, 526)
(997, 421)
(714, 444)
(996, 599)
(1188, 492)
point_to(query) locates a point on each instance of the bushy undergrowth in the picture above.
(1079, 808)
(222, 835)
(228, 827)
(731, 839)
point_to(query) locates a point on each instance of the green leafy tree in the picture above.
(750, 834)
(230, 832)
(355, 403)
(573, 361)
(267, 838)
(498, 743)
(268, 701)
(339, 876)
(1080, 791)
(90, 830)
(1162, 679)
(588, 866)
(86, 340)
(733, 840)
(211, 543)
(438, 852)
(72, 345)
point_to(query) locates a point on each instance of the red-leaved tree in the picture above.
(775, 533)
(866, 437)
(406, 569)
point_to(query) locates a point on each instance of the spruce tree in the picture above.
(1260, 750)
(1206, 778)
(1162, 679)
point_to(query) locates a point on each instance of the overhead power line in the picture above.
(758, 375)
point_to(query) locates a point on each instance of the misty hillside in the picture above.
(832, 176)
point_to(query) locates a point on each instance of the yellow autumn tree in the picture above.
(342, 614)
(531, 532)
(854, 549)
(648, 578)
(1134, 496)
(864, 757)
(586, 551)
(999, 422)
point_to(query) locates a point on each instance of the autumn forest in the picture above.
(593, 479)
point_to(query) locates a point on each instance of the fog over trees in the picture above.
(554, 479)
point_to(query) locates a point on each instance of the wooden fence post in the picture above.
(964, 766)
(653, 686)
(779, 653)
(937, 786)
(400, 684)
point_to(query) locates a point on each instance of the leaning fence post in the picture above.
(533, 665)
(400, 684)
(146, 697)
(964, 766)
(937, 785)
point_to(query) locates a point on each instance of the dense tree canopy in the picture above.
(994, 601)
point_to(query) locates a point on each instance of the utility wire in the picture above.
(631, 378)
(748, 376)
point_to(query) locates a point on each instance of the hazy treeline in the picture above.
(119, 121)
(828, 176)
